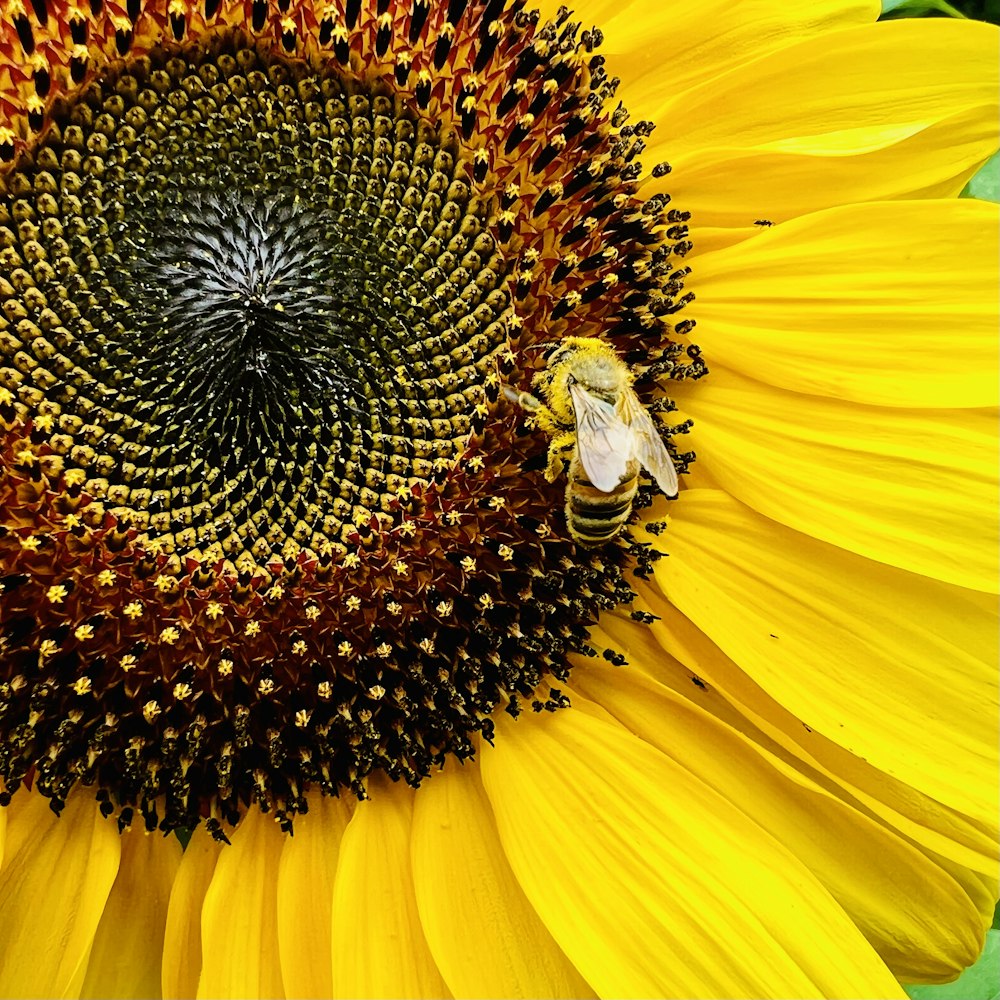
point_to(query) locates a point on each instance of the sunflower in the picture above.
(288, 560)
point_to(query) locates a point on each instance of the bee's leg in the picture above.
(539, 415)
(560, 454)
(523, 399)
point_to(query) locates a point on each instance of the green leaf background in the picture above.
(979, 982)
(986, 183)
(980, 10)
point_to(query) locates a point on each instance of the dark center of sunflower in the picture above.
(241, 318)
(265, 529)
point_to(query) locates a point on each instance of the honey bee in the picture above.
(598, 428)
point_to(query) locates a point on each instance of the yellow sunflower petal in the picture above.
(913, 913)
(939, 831)
(894, 667)
(660, 49)
(963, 848)
(305, 897)
(730, 186)
(651, 882)
(462, 880)
(56, 877)
(840, 93)
(239, 934)
(182, 934)
(892, 303)
(911, 488)
(379, 948)
(127, 954)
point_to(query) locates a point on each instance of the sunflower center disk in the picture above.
(237, 322)
(288, 335)
(265, 528)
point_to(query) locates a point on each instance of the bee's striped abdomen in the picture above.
(593, 516)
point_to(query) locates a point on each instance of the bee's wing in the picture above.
(646, 444)
(602, 439)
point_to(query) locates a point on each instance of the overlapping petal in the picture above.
(182, 934)
(855, 90)
(127, 952)
(896, 668)
(239, 934)
(379, 949)
(305, 898)
(731, 185)
(56, 877)
(888, 304)
(910, 909)
(662, 49)
(950, 837)
(651, 882)
(462, 880)
(915, 489)
(964, 847)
